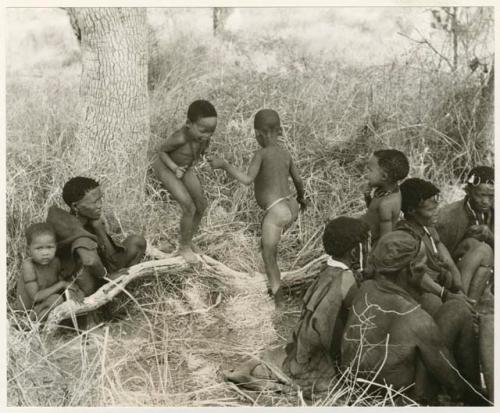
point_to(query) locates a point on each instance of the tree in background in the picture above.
(113, 131)
(219, 17)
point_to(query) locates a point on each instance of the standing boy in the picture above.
(269, 171)
(39, 288)
(175, 168)
(385, 169)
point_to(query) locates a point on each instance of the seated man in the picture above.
(388, 333)
(83, 245)
(442, 280)
(466, 229)
(311, 356)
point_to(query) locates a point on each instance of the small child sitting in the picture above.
(385, 169)
(39, 288)
(269, 171)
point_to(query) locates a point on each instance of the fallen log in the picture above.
(165, 263)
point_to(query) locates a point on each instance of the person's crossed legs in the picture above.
(475, 263)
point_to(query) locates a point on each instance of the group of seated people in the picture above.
(409, 318)
(404, 292)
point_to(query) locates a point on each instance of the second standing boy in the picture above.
(269, 171)
(175, 168)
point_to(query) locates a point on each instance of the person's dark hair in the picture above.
(76, 188)
(201, 109)
(481, 175)
(37, 229)
(342, 234)
(414, 191)
(394, 163)
(266, 118)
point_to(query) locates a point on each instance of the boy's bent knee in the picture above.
(201, 206)
(136, 242)
(188, 208)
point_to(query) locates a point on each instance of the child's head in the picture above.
(419, 201)
(201, 120)
(343, 236)
(480, 188)
(84, 197)
(41, 241)
(387, 166)
(267, 126)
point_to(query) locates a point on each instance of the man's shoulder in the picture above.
(449, 210)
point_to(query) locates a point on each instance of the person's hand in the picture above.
(479, 232)
(469, 302)
(216, 162)
(180, 171)
(303, 203)
(63, 284)
(367, 189)
(97, 223)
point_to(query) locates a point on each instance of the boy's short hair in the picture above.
(394, 163)
(76, 188)
(201, 109)
(266, 118)
(414, 191)
(342, 234)
(481, 175)
(36, 229)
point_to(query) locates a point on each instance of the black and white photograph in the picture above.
(279, 206)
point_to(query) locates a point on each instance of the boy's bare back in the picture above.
(271, 182)
(383, 210)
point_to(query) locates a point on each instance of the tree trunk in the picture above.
(113, 131)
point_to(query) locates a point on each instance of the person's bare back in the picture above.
(271, 182)
(269, 170)
(383, 210)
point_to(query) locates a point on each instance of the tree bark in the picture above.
(113, 132)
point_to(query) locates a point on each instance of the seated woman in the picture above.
(442, 280)
(83, 245)
(311, 356)
(466, 229)
(389, 333)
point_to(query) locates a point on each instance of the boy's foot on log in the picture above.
(188, 254)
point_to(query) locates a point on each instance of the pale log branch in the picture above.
(166, 263)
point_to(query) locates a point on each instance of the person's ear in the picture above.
(74, 206)
(189, 123)
(280, 131)
(468, 190)
(384, 175)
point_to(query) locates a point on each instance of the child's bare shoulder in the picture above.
(390, 203)
(28, 269)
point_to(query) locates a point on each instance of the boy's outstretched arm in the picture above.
(446, 257)
(244, 178)
(299, 185)
(173, 142)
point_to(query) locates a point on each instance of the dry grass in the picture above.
(166, 348)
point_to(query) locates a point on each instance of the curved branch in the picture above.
(165, 263)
